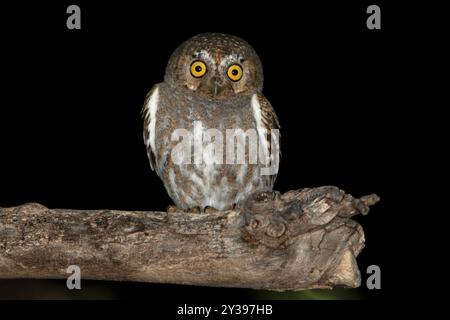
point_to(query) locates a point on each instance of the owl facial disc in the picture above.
(215, 66)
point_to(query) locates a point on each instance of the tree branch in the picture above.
(299, 240)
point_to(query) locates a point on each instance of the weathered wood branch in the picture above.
(299, 240)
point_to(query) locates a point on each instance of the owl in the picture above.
(212, 88)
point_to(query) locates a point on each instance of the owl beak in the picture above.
(216, 86)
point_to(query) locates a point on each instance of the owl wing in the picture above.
(149, 114)
(266, 120)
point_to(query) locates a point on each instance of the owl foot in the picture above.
(210, 210)
(172, 209)
(194, 210)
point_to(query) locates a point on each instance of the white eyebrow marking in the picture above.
(206, 56)
(229, 59)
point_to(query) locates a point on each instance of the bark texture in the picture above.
(301, 239)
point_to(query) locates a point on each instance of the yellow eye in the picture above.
(235, 72)
(198, 69)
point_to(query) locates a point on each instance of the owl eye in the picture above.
(235, 72)
(198, 69)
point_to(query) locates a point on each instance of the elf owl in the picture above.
(212, 89)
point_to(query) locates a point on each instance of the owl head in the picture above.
(215, 66)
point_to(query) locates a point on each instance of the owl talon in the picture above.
(172, 209)
(210, 210)
(193, 210)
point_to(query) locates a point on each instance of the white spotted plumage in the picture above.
(150, 109)
(261, 129)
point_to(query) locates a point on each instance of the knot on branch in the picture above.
(276, 220)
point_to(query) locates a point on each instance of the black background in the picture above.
(71, 130)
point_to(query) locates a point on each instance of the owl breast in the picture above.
(191, 137)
